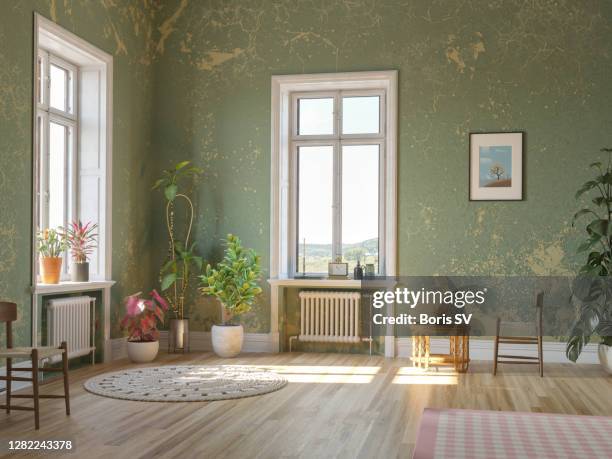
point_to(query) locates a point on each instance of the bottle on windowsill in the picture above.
(358, 271)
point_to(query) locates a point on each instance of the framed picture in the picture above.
(496, 166)
(337, 269)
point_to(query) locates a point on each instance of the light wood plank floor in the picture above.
(335, 405)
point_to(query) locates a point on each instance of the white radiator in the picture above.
(331, 317)
(70, 319)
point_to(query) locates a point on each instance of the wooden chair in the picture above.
(536, 339)
(8, 314)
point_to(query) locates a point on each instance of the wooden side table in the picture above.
(459, 352)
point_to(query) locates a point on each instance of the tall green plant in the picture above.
(179, 266)
(235, 280)
(593, 289)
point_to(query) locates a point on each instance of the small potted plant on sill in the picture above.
(181, 263)
(51, 245)
(82, 242)
(235, 283)
(141, 319)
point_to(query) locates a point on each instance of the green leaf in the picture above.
(198, 262)
(167, 265)
(182, 164)
(171, 191)
(586, 187)
(588, 244)
(580, 213)
(595, 164)
(158, 183)
(168, 280)
(598, 227)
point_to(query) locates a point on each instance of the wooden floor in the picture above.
(334, 405)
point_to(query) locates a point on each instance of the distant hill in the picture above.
(321, 250)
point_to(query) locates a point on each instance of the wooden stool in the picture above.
(8, 314)
(459, 352)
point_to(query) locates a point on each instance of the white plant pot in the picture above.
(605, 357)
(142, 351)
(227, 340)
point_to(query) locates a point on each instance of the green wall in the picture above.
(123, 29)
(543, 67)
(192, 81)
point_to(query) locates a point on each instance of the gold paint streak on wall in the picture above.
(453, 55)
(121, 48)
(53, 10)
(216, 58)
(547, 260)
(167, 26)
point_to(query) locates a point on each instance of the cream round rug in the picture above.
(186, 383)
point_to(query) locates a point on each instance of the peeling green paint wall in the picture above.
(543, 67)
(126, 30)
(192, 81)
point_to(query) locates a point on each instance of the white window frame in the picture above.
(67, 118)
(286, 89)
(86, 63)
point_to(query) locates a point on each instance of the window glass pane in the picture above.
(57, 174)
(59, 79)
(315, 198)
(360, 205)
(360, 115)
(316, 116)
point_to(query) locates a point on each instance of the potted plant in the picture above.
(181, 261)
(235, 283)
(593, 287)
(82, 242)
(51, 245)
(140, 320)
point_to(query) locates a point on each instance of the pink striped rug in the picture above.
(507, 434)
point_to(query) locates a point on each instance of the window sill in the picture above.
(66, 286)
(314, 282)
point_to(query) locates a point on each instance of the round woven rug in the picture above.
(186, 383)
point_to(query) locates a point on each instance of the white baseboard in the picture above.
(554, 352)
(202, 341)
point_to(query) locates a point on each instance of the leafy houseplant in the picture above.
(235, 283)
(51, 245)
(593, 288)
(82, 242)
(181, 261)
(140, 320)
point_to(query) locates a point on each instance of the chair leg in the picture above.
(9, 372)
(35, 387)
(496, 349)
(540, 356)
(65, 371)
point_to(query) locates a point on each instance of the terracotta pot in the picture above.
(605, 357)
(142, 351)
(227, 340)
(50, 269)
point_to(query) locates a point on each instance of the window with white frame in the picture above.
(72, 138)
(56, 134)
(334, 143)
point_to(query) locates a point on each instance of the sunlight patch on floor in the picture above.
(324, 374)
(413, 375)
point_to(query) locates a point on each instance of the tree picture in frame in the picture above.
(496, 166)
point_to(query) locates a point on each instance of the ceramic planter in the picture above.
(79, 272)
(178, 336)
(605, 357)
(142, 351)
(227, 340)
(50, 269)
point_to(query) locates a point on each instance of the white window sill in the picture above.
(66, 286)
(314, 282)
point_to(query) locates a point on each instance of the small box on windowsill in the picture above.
(337, 270)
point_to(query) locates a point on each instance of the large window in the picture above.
(333, 172)
(57, 130)
(72, 139)
(337, 138)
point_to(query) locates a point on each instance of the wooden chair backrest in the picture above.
(8, 314)
(539, 308)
